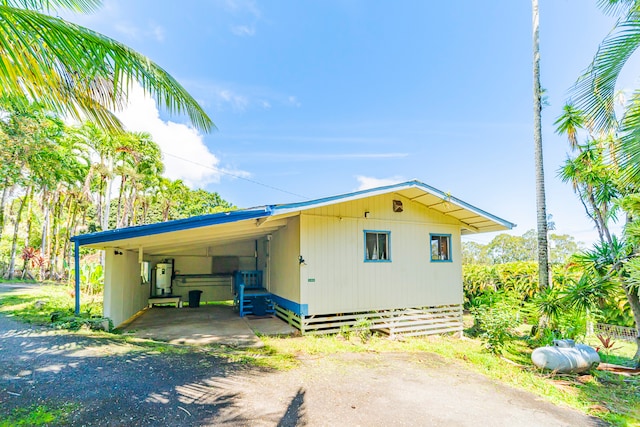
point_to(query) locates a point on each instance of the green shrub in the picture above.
(496, 322)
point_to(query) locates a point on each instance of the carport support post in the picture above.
(77, 274)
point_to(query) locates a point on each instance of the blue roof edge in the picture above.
(386, 188)
(169, 226)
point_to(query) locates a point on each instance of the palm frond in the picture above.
(628, 151)
(588, 292)
(569, 123)
(76, 71)
(594, 92)
(84, 6)
(617, 7)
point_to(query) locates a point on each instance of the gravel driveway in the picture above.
(108, 383)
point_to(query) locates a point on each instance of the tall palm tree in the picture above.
(78, 72)
(541, 204)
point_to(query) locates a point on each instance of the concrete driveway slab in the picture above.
(207, 324)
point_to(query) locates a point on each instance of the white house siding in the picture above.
(124, 296)
(284, 279)
(336, 279)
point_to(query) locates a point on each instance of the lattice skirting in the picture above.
(404, 321)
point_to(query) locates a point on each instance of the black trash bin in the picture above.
(260, 305)
(194, 299)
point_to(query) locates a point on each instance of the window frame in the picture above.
(449, 250)
(377, 232)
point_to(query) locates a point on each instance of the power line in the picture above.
(235, 176)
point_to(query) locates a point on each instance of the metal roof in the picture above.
(255, 222)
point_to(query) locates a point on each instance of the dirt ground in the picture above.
(107, 383)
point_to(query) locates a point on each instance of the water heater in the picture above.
(164, 272)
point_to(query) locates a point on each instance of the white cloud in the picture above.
(243, 6)
(127, 29)
(294, 101)
(157, 31)
(243, 30)
(367, 182)
(244, 10)
(224, 95)
(153, 31)
(299, 157)
(237, 102)
(185, 155)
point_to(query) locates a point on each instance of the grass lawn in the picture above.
(39, 303)
(612, 397)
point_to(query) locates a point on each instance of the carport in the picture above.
(203, 252)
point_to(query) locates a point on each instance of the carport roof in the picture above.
(242, 223)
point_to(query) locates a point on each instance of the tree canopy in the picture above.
(77, 72)
(57, 181)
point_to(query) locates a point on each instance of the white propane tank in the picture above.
(566, 357)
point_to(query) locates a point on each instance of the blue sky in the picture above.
(317, 98)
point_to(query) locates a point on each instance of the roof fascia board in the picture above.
(170, 226)
(317, 203)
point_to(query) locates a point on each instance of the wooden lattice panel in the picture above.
(405, 322)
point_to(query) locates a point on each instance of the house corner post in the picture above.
(77, 276)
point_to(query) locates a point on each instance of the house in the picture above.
(388, 258)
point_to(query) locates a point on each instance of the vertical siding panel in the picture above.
(285, 276)
(345, 283)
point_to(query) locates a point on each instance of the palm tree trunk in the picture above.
(120, 193)
(541, 208)
(55, 234)
(634, 303)
(16, 231)
(107, 201)
(27, 242)
(3, 202)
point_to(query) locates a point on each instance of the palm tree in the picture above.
(541, 205)
(602, 194)
(78, 72)
(595, 91)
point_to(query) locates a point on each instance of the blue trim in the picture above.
(169, 226)
(388, 233)
(450, 255)
(297, 308)
(76, 258)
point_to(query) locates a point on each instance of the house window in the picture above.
(440, 247)
(376, 246)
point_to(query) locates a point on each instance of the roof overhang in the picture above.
(184, 234)
(472, 219)
(204, 231)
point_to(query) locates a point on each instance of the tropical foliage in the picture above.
(75, 71)
(603, 184)
(58, 181)
(506, 248)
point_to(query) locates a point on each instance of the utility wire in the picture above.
(235, 176)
